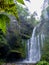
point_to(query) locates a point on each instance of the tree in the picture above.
(9, 7)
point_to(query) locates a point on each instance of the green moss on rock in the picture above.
(4, 20)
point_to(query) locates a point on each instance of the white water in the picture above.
(34, 51)
(34, 55)
(33, 46)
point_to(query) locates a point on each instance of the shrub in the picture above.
(42, 63)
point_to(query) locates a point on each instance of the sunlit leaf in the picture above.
(9, 7)
(3, 20)
(20, 1)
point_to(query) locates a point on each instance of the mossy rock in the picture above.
(4, 20)
(26, 30)
(13, 55)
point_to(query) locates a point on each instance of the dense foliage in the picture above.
(11, 43)
(42, 63)
(9, 6)
(4, 20)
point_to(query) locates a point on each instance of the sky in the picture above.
(34, 5)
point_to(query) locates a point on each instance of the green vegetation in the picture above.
(1, 62)
(10, 44)
(13, 45)
(45, 50)
(42, 63)
(4, 20)
(45, 30)
(47, 10)
(14, 33)
(9, 7)
(20, 1)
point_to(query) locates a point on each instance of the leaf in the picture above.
(9, 7)
(20, 1)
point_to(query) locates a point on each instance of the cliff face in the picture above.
(14, 40)
(44, 29)
(24, 29)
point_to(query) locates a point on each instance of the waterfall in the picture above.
(34, 48)
(34, 51)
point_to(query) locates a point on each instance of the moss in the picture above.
(9, 7)
(2, 62)
(24, 36)
(15, 51)
(21, 1)
(4, 20)
(23, 48)
(3, 40)
(45, 50)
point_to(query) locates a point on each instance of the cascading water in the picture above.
(34, 49)
(34, 52)
(33, 46)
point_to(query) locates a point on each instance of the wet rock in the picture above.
(25, 30)
(13, 56)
